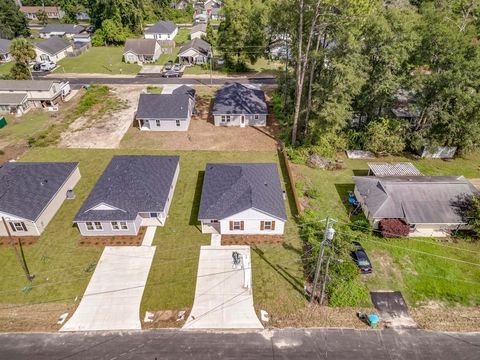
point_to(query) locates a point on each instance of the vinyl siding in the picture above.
(133, 227)
(235, 120)
(252, 223)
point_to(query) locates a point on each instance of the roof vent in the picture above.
(266, 184)
(43, 182)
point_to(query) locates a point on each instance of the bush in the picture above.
(347, 293)
(312, 193)
(361, 225)
(391, 228)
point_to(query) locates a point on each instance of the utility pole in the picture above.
(211, 67)
(21, 258)
(327, 237)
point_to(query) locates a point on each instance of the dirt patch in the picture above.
(39, 317)
(385, 267)
(166, 319)
(105, 130)
(441, 318)
(13, 152)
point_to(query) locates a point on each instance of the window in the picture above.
(223, 118)
(214, 221)
(267, 225)
(18, 226)
(237, 225)
(157, 122)
(228, 118)
(115, 225)
(153, 215)
(98, 225)
(90, 226)
(177, 122)
(256, 117)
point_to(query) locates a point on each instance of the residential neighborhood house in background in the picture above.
(5, 51)
(53, 12)
(66, 30)
(430, 205)
(242, 199)
(133, 191)
(162, 30)
(198, 31)
(166, 112)
(32, 193)
(239, 105)
(196, 51)
(52, 49)
(141, 51)
(18, 96)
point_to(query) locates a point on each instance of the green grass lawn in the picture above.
(417, 267)
(63, 269)
(98, 60)
(168, 57)
(5, 68)
(182, 36)
(262, 66)
(21, 128)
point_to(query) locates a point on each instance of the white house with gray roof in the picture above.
(133, 191)
(162, 30)
(242, 199)
(429, 204)
(52, 49)
(66, 30)
(141, 51)
(166, 112)
(239, 105)
(5, 51)
(196, 51)
(198, 31)
(32, 193)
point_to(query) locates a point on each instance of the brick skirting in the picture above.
(25, 240)
(251, 239)
(114, 240)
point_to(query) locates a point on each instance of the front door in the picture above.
(242, 121)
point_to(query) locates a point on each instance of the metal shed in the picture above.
(393, 169)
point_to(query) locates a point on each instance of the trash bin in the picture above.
(373, 320)
(3, 122)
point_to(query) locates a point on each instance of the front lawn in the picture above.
(423, 269)
(182, 36)
(5, 68)
(98, 60)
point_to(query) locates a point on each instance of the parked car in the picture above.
(360, 258)
(168, 66)
(171, 73)
(37, 67)
(47, 66)
(177, 67)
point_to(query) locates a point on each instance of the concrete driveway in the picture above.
(221, 300)
(114, 293)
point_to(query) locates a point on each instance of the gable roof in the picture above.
(35, 9)
(140, 46)
(27, 188)
(26, 85)
(230, 188)
(132, 184)
(184, 89)
(417, 199)
(163, 106)
(12, 98)
(201, 46)
(63, 28)
(161, 27)
(199, 27)
(235, 98)
(4, 46)
(53, 45)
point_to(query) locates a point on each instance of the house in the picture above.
(242, 199)
(52, 49)
(166, 112)
(31, 194)
(217, 14)
(163, 30)
(134, 191)
(196, 51)
(66, 30)
(5, 51)
(429, 204)
(82, 38)
(141, 50)
(180, 4)
(18, 96)
(53, 12)
(200, 19)
(239, 105)
(198, 31)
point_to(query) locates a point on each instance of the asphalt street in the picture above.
(315, 344)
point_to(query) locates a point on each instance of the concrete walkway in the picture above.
(221, 300)
(149, 235)
(114, 293)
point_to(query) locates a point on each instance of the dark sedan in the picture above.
(361, 258)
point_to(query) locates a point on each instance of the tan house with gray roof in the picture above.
(141, 51)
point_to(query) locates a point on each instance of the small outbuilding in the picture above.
(393, 169)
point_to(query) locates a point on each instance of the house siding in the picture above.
(235, 120)
(133, 227)
(32, 229)
(197, 35)
(166, 125)
(55, 58)
(158, 36)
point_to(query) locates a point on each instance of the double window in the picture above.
(157, 123)
(18, 226)
(119, 225)
(237, 225)
(267, 225)
(177, 122)
(94, 226)
(225, 118)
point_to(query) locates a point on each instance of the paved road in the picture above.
(315, 344)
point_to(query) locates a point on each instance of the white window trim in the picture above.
(269, 226)
(94, 225)
(177, 122)
(157, 123)
(256, 117)
(19, 228)
(121, 225)
(235, 225)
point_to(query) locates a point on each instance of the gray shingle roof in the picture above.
(184, 89)
(417, 199)
(231, 188)
(199, 45)
(53, 45)
(161, 27)
(4, 46)
(237, 99)
(63, 28)
(140, 46)
(12, 99)
(25, 85)
(199, 27)
(132, 184)
(163, 106)
(27, 188)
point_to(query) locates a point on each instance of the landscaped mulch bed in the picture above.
(251, 239)
(25, 240)
(114, 240)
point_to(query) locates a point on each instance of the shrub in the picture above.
(361, 225)
(391, 228)
(312, 193)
